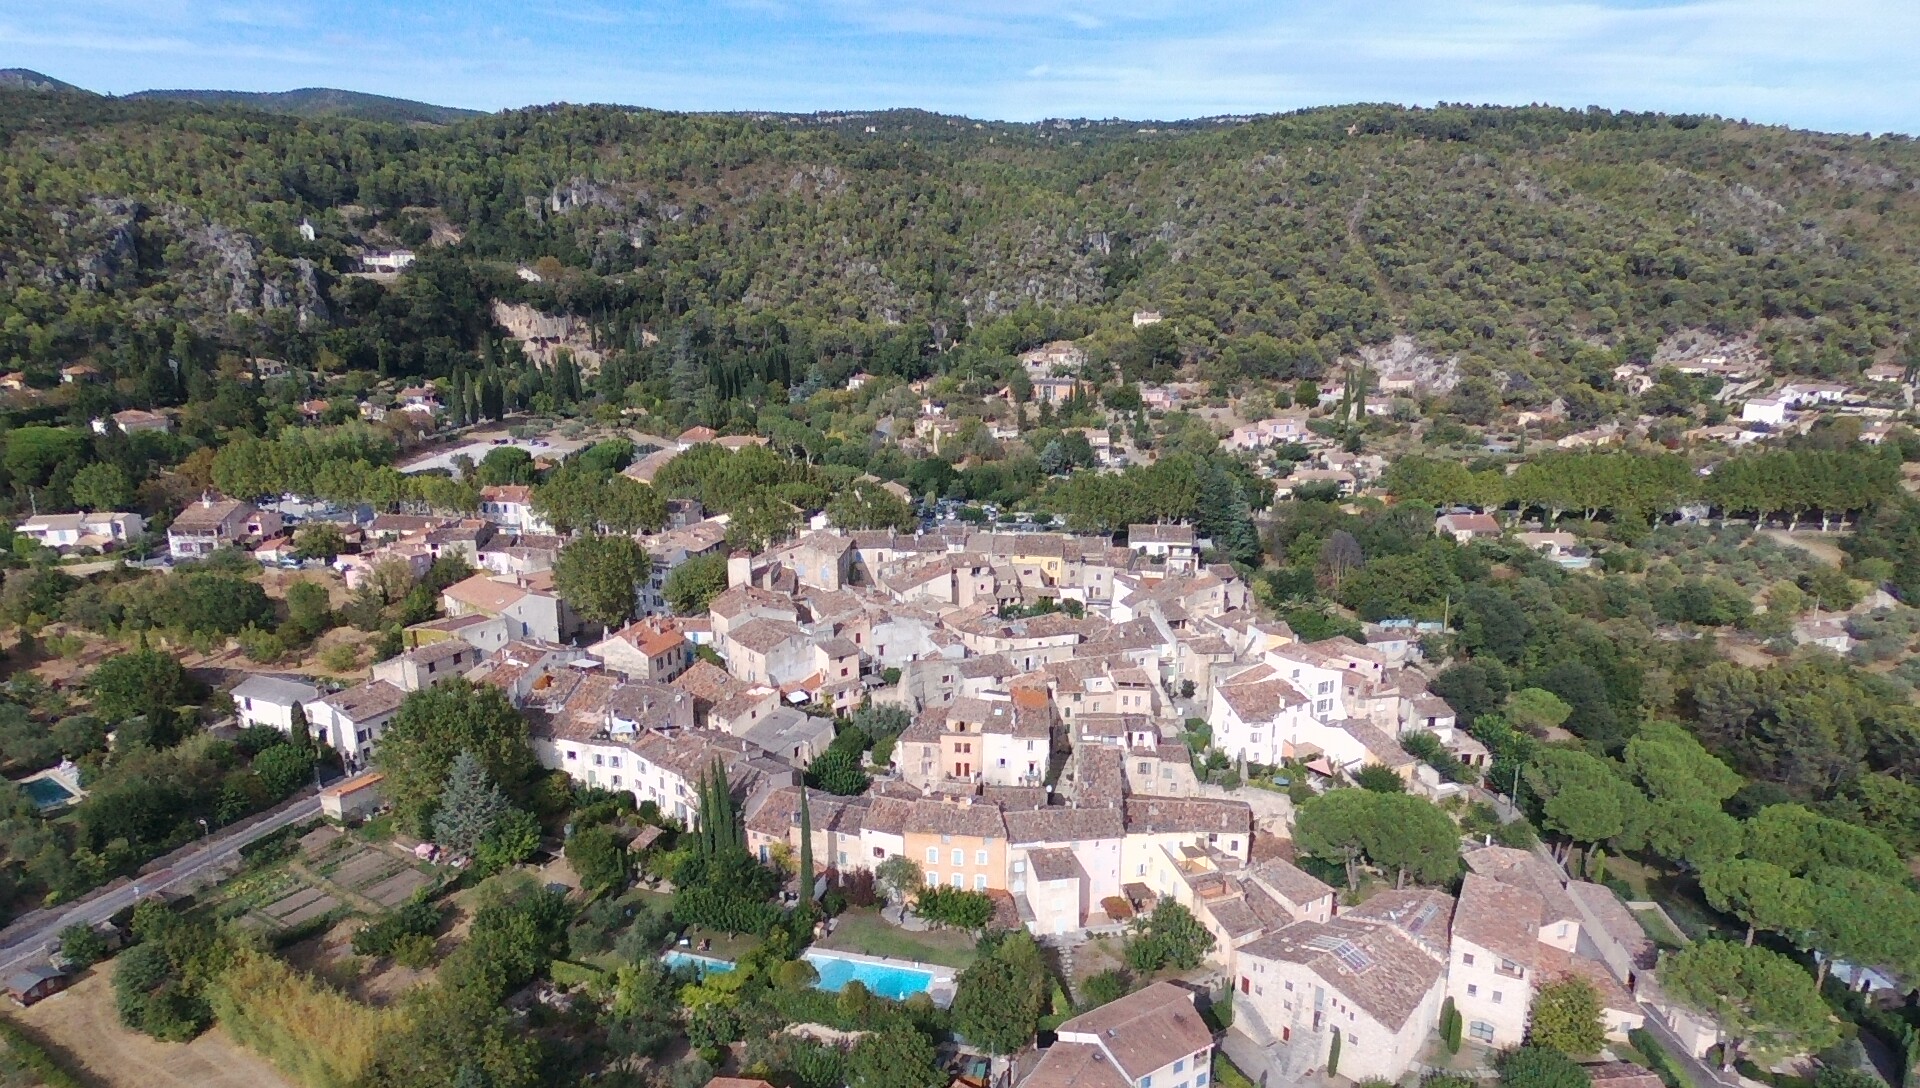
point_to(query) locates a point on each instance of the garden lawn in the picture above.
(864, 931)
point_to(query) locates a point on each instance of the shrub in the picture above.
(795, 975)
(82, 945)
(317, 1036)
(416, 917)
(1102, 988)
(956, 907)
(1450, 1024)
(415, 950)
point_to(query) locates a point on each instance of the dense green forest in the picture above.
(1538, 245)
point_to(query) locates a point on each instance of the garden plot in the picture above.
(379, 874)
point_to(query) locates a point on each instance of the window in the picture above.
(1472, 990)
(1563, 930)
(1199, 1080)
(613, 761)
(980, 882)
(879, 852)
(573, 755)
(1255, 739)
(960, 880)
(1146, 768)
(959, 856)
(1180, 1065)
(1497, 995)
(616, 781)
(599, 760)
(1146, 1082)
(944, 839)
(933, 855)
(1289, 987)
(1466, 958)
(843, 857)
(1481, 1030)
(979, 857)
(1352, 1039)
(932, 878)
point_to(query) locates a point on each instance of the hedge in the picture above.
(35, 1058)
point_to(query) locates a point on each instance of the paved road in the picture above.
(1703, 1074)
(32, 944)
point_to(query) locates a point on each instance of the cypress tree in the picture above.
(806, 850)
(299, 733)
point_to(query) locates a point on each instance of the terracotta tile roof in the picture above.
(1525, 869)
(1075, 1065)
(366, 702)
(1053, 863)
(1170, 815)
(205, 517)
(779, 814)
(933, 817)
(1422, 915)
(1015, 798)
(514, 493)
(484, 593)
(1066, 825)
(1289, 881)
(763, 635)
(888, 815)
(1261, 700)
(1100, 778)
(1372, 965)
(1605, 907)
(1145, 1030)
(1501, 918)
(1558, 963)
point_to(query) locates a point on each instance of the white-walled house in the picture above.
(1151, 1038)
(96, 530)
(1365, 981)
(351, 721)
(269, 701)
(1499, 937)
(1255, 715)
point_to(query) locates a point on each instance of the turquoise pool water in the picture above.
(47, 793)
(885, 980)
(703, 965)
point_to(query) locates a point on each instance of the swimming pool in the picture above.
(47, 793)
(702, 965)
(882, 979)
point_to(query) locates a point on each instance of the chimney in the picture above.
(739, 569)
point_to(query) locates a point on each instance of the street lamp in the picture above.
(202, 821)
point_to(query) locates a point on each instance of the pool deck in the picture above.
(941, 988)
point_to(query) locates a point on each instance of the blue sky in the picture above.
(1840, 65)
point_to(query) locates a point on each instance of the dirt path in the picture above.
(82, 1022)
(1820, 547)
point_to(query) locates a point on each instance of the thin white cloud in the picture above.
(1845, 64)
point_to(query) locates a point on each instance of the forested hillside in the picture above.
(1538, 246)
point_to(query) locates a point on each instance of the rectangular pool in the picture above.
(47, 793)
(882, 979)
(702, 965)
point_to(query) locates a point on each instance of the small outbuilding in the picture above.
(31, 985)
(355, 798)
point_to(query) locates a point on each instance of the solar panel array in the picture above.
(1348, 953)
